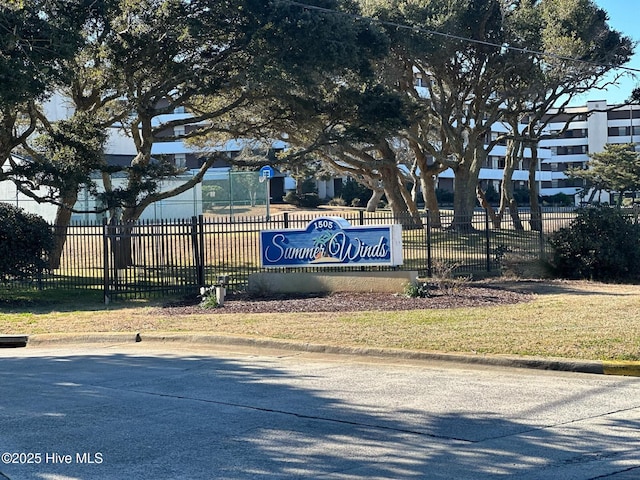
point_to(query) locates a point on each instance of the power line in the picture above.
(503, 47)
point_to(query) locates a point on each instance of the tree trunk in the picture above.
(506, 187)
(465, 182)
(536, 213)
(376, 196)
(61, 227)
(515, 215)
(487, 206)
(463, 202)
(428, 178)
(132, 214)
(392, 191)
(428, 184)
(112, 212)
(507, 199)
(464, 199)
(397, 194)
(416, 221)
(120, 236)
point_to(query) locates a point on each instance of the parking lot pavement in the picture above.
(183, 411)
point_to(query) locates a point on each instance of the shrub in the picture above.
(352, 192)
(306, 200)
(209, 297)
(521, 196)
(492, 195)
(601, 243)
(308, 186)
(310, 200)
(25, 242)
(558, 200)
(445, 197)
(292, 198)
(417, 290)
(337, 202)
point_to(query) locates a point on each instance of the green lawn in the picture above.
(580, 320)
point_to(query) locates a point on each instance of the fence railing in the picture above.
(173, 257)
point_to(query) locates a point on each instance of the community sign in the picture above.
(332, 242)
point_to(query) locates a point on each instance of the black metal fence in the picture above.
(174, 257)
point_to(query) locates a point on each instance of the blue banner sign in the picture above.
(332, 242)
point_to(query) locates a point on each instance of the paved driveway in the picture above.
(137, 411)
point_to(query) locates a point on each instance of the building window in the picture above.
(571, 150)
(577, 133)
(180, 160)
(623, 114)
(573, 182)
(494, 136)
(618, 131)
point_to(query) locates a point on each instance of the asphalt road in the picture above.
(154, 411)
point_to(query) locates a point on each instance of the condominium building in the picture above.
(572, 136)
(569, 138)
(590, 128)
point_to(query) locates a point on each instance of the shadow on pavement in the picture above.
(198, 417)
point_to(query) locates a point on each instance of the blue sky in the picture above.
(622, 17)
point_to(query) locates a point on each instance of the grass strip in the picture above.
(586, 321)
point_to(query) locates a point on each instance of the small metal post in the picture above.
(488, 238)
(429, 260)
(105, 248)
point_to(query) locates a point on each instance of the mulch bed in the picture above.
(460, 296)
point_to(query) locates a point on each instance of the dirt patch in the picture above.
(466, 295)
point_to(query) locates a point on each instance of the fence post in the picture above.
(196, 245)
(105, 260)
(286, 219)
(201, 276)
(541, 236)
(488, 238)
(429, 260)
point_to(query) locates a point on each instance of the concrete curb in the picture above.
(626, 368)
(631, 369)
(494, 360)
(13, 341)
(87, 338)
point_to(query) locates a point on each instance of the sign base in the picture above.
(264, 283)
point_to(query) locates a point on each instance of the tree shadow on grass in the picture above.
(62, 300)
(169, 416)
(552, 287)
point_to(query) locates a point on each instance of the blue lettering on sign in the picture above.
(332, 241)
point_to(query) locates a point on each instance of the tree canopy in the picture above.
(616, 169)
(334, 78)
(35, 39)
